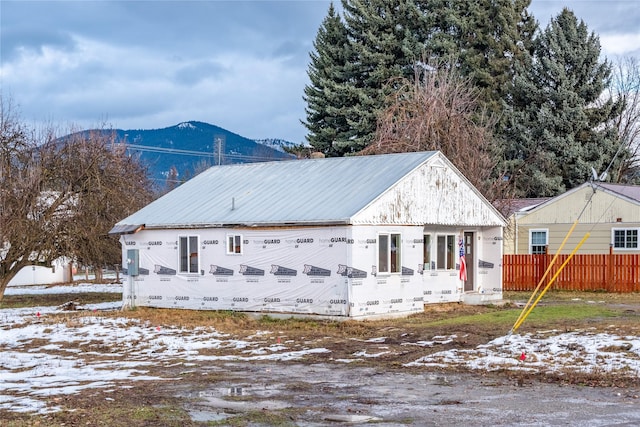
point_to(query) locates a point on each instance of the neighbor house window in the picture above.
(426, 252)
(625, 238)
(446, 252)
(234, 244)
(188, 249)
(389, 253)
(539, 239)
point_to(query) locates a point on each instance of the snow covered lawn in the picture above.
(44, 356)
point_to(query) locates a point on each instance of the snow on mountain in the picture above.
(186, 125)
(276, 144)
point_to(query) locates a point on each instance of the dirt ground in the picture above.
(323, 389)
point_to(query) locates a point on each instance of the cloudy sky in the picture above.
(241, 65)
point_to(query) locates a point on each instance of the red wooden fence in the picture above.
(597, 272)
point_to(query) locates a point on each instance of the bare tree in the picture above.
(626, 86)
(439, 110)
(59, 197)
(172, 179)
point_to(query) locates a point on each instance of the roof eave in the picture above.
(309, 223)
(126, 228)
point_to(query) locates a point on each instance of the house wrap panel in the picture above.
(387, 293)
(279, 270)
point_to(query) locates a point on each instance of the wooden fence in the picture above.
(597, 272)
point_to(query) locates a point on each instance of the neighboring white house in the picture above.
(352, 237)
(58, 271)
(38, 275)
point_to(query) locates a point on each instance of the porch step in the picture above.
(478, 298)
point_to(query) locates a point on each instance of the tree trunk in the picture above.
(9, 274)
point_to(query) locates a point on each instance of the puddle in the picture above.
(202, 416)
(347, 395)
(351, 419)
(236, 391)
(219, 404)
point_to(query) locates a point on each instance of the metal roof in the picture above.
(316, 191)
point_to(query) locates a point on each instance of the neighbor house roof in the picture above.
(629, 191)
(315, 191)
(510, 206)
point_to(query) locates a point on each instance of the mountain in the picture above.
(278, 144)
(191, 147)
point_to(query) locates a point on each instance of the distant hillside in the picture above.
(278, 144)
(193, 146)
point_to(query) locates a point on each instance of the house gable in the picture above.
(434, 193)
(599, 204)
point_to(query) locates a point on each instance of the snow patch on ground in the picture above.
(548, 351)
(42, 358)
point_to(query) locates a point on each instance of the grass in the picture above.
(554, 296)
(36, 300)
(554, 309)
(125, 414)
(281, 418)
(540, 316)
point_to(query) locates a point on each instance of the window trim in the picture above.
(625, 229)
(450, 253)
(188, 238)
(239, 246)
(427, 251)
(389, 253)
(546, 239)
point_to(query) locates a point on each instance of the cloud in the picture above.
(621, 44)
(241, 65)
(195, 72)
(614, 22)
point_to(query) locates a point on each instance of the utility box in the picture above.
(133, 262)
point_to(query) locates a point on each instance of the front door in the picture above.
(469, 257)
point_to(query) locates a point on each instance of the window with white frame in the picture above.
(625, 238)
(234, 244)
(389, 253)
(538, 241)
(189, 257)
(446, 252)
(426, 252)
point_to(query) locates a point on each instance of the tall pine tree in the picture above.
(486, 38)
(496, 34)
(327, 96)
(387, 39)
(384, 38)
(556, 130)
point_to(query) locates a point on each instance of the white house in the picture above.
(39, 275)
(356, 237)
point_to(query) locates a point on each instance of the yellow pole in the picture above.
(535, 291)
(520, 321)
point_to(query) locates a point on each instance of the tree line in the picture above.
(521, 111)
(60, 196)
